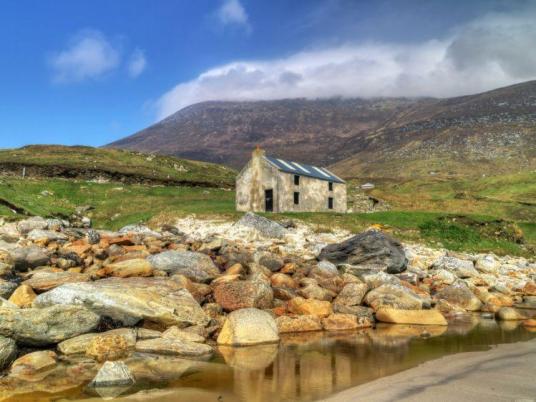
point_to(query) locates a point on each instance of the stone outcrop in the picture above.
(370, 250)
(129, 300)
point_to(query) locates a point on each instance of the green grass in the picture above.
(117, 205)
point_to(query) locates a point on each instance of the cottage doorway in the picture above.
(269, 200)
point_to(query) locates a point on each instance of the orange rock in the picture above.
(341, 322)
(299, 305)
(288, 268)
(80, 250)
(235, 269)
(122, 241)
(23, 296)
(128, 268)
(530, 322)
(529, 289)
(283, 280)
(108, 347)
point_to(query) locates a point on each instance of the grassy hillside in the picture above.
(510, 196)
(112, 164)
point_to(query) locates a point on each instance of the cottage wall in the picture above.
(314, 194)
(256, 176)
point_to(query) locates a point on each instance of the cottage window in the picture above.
(296, 180)
(296, 198)
(330, 186)
(330, 203)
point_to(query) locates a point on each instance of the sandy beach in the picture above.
(505, 373)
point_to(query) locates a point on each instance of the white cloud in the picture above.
(233, 12)
(89, 56)
(492, 51)
(137, 63)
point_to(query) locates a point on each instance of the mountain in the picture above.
(488, 133)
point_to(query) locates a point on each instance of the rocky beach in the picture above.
(110, 311)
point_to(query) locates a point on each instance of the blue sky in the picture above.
(90, 72)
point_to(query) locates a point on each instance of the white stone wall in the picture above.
(314, 194)
(259, 175)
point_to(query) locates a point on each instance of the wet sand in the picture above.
(504, 373)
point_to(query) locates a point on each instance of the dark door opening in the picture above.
(269, 200)
(330, 202)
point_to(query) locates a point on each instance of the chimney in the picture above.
(258, 152)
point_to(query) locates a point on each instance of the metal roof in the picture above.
(303, 169)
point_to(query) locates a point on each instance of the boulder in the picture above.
(27, 225)
(299, 323)
(127, 268)
(33, 363)
(180, 335)
(487, 264)
(394, 296)
(79, 344)
(236, 295)
(46, 235)
(443, 276)
(8, 351)
(7, 288)
(460, 268)
(265, 227)
(23, 296)
(302, 306)
(139, 229)
(107, 347)
(129, 300)
(510, 314)
(359, 311)
(311, 290)
(283, 281)
(269, 260)
(372, 249)
(196, 266)
(28, 257)
(460, 295)
(341, 322)
(44, 326)
(326, 269)
(113, 374)
(45, 280)
(174, 347)
(420, 317)
(352, 294)
(248, 326)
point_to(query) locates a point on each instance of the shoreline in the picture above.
(504, 373)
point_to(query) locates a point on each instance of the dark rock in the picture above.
(93, 237)
(372, 249)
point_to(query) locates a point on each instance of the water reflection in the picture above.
(314, 365)
(309, 366)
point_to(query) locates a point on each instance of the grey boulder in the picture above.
(264, 226)
(372, 250)
(195, 266)
(44, 326)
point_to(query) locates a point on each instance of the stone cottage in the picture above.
(268, 184)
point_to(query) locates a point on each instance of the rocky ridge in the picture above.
(100, 303)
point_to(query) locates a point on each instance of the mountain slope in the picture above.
(492, 132)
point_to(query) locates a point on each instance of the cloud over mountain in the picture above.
(492, 51)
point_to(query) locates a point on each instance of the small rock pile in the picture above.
(88, 299)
